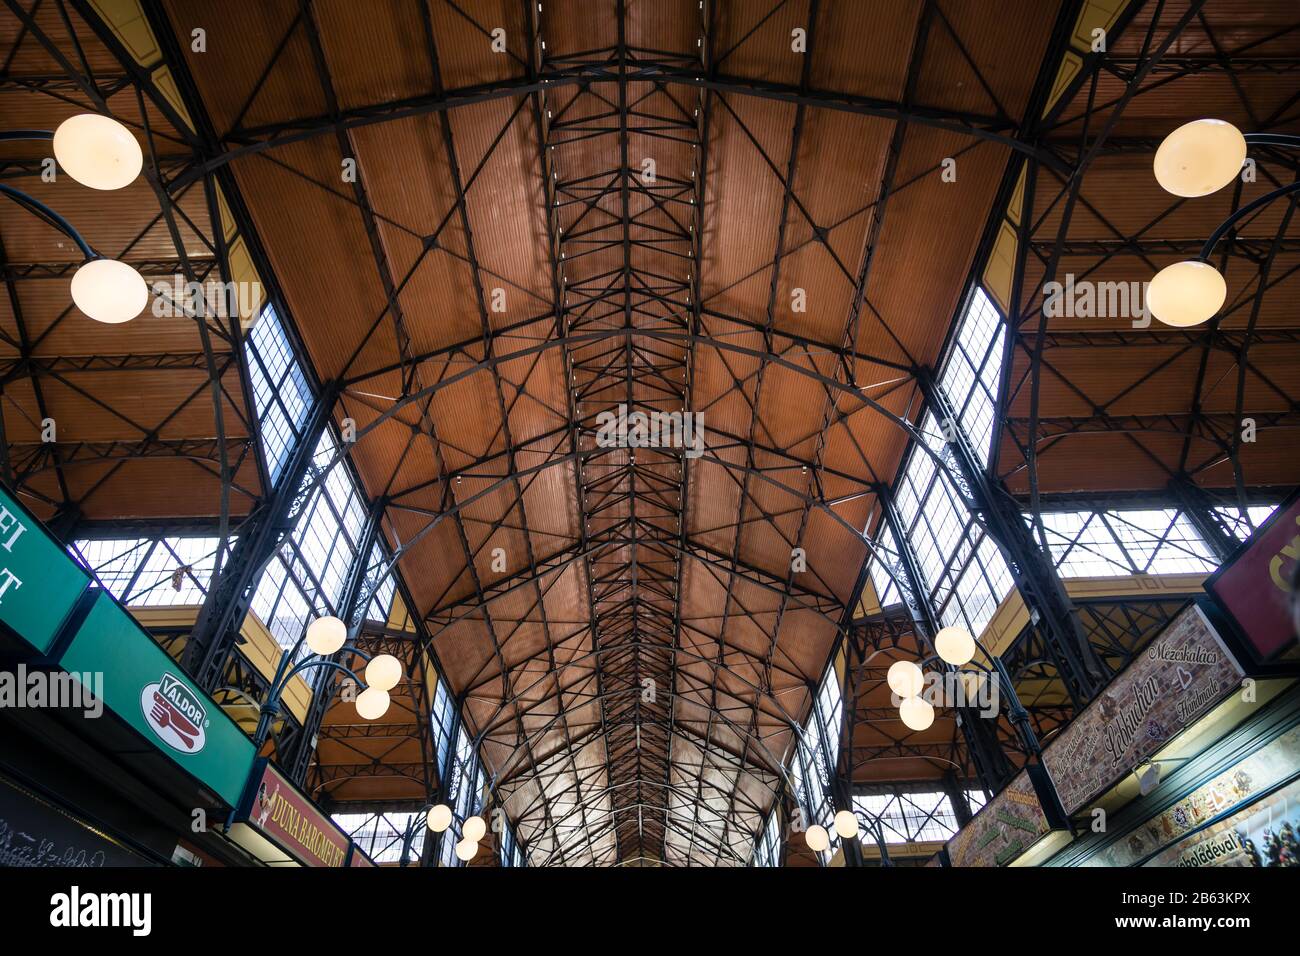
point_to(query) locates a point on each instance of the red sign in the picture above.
(359, 858)
(1255, 587)
(290, 819)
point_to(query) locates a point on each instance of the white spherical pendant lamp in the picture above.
(916, 713)
(817, 838)
(474, 829)
(439, 817)
(1199, 158)
(846, 824)
(372, 703)
(905, 679)
(1186, 293)
(97, 151)
(325, 635)
(955, 645)
(109, 291)
(383, 671)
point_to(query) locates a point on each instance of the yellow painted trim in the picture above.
(399, 619)
(1005, 626)
(264, 652)
(920, 849)
(1071, 66)
(242, 270)
(1136, 585)
(127, 21)
(166, 84)
(430, 675)
(1095, 14)
(174, 616)
(1001, 266)
(1012, 616)
(1017, 198)
(868, 601)
(228, 228)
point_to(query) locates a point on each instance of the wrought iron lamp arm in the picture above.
(1245, 210)
(1016, 712)
(50, 217)
(1272, 139)
(324, 662)
(271, 708)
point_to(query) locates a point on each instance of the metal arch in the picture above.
(600, 71)
(581, 338)
(483, 492)
(743, 732)
(648, 66)
(600, 732)
(720, 849)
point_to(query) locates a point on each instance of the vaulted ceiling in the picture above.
(647, 204)
(492, 222)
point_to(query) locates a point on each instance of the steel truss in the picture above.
(1079, 139)
(627, 335)
(1093, 638)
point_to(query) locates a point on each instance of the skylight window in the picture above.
(308, 574)
(972, 374)
(169, 571)
(280, 389)
(962, 570)
(1123, 542)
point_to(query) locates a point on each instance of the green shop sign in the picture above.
(144, 687)
(39, 582)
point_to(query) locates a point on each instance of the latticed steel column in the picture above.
(216, 631)
(957, 797)
(1198, 506)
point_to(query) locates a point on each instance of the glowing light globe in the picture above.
(846, 824)
(439, 818)
(904, 679)
(383, 671)
(473, 829)
(1186, 293)
(372, 703)
(325, 635)
(916, 713)
(1199, 158)
(817, 838)
(109, 291)
(955, 645)
(97, 151)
